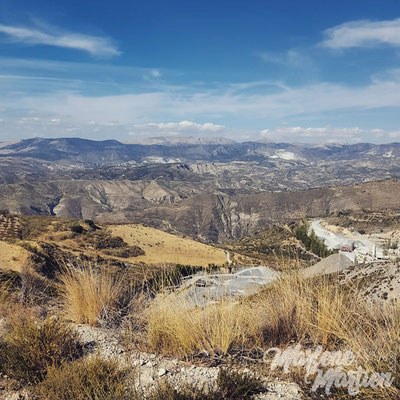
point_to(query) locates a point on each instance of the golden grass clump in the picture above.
(89, 293)
(295, 308)
(174, 328)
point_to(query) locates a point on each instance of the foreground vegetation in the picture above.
(291, 310)
(40, 306)
(318, 311)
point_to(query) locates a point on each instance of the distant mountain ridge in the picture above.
(177, 140)
(222, 150)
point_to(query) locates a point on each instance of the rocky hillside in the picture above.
(212, 217)
(210, 190)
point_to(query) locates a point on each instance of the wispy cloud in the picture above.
(50, 36)
(325, 134)
(363, 34)
(66, 105)
(290, 57)
(292, 65)
(217, 104)
(214, 105)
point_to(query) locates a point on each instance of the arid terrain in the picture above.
(165, 271)
(208, 191)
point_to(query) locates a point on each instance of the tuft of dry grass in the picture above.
(174, 328)
(296, 308)
(230, 385)
(90, 294)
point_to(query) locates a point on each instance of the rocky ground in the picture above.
(148, 370)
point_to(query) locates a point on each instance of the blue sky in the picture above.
(279, 70)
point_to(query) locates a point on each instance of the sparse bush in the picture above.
(28, 247)
(10, 282)
(79, 229)
(35, 289)
(34, 226)
(165, 391)
(106, 241)
(235, 385)
(31, 346)
(91, 224)
(126, 252)
(90, 379)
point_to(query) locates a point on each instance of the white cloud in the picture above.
(326, 134)
(394, 135)
(363, 34)
(121, 114)
(94, 45)
(185, 125)
(212, 104)
(183, 128)
(241, 105)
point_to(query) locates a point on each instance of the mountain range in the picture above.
(212, 190)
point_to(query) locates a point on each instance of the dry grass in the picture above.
(295, 308)
(291, 309)
(10, 283)
(162, 248)
(315, 311)
(90, 293)
(12, 256)
(173, 328)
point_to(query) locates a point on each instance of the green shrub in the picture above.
(90, 379)
(312, 243)
(31, 346)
